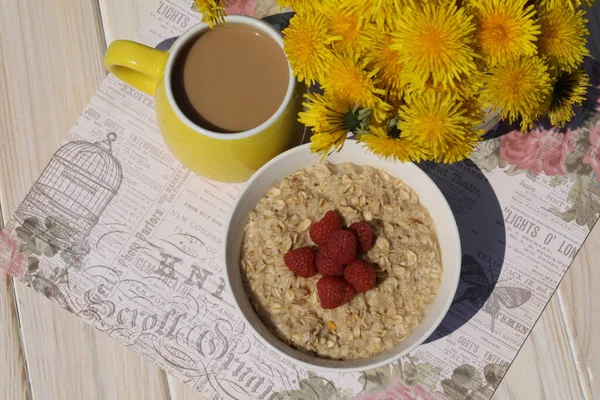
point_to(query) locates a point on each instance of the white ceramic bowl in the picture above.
(431, 197)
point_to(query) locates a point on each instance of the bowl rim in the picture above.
(309, 366)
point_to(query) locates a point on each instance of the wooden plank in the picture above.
(180, 391)
(571, 319)
(125, 374)
(560, 355)
(68, 359)
(582, 313)
(122, 19)
(50, 65)
(14, 382)
(544, 367)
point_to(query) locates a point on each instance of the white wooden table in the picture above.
(50, 65)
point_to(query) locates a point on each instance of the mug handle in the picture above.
(136, 64)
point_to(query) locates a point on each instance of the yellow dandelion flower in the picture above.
(348, 78)
(474, 110)
(353, 35)
(572, 4)
(379, 141)
(306, 43)
(327, 113)
(563, 35)
(458, 151)
(518, 88)
(387, 61)
(435, 43)
(331, 119)
(465, 87)
(505, 29)
(327, 143)
(300, 6)
(468, 86)
(568, 89)
(435, 121)
(376, 11)
(212, 11)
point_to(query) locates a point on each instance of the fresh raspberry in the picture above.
(364, 234)
(301, 261)
(326, 265)
(341, 246)
(360, 275)
(319, 231)
(334, 291)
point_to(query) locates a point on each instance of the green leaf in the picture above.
(585, 199)
(420, 374)
(556, 181)
(514, 170)
(32, 223)
(453, 391)
(375, 379)
(467, 376)
(50, 222)
(484, 393)
(32, 265)
(314, 387)
(493, 374)
(585, 169)
(42, 247)
(24, 234)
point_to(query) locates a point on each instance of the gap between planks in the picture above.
(13, 331)
(569, 337)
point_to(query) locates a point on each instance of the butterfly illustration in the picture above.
(486, 296)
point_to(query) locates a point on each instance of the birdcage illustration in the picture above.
(76, 186)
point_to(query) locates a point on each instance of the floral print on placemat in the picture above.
(407, 379)
(571, 153)
(559, 154)
(10, 253)
(539, 150)
(242, 7)
(314, 387)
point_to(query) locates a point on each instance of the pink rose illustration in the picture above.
(538, 150)
(241, 7)
(399, 391)
(11, 259)
(592, 155)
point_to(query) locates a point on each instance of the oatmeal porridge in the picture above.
(405, 255)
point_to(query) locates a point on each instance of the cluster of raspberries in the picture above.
(343, 275)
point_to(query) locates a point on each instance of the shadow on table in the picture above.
(483, 240)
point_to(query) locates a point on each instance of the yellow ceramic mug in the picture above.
(231, 157)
